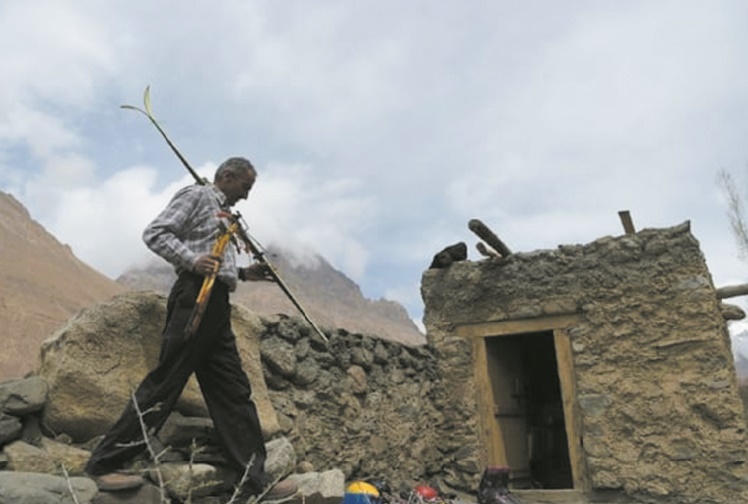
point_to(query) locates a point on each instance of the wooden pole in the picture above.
(628, 224)
(484, 233)
(732, 291)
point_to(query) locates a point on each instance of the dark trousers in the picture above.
(212, 355)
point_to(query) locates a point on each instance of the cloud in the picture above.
(108, 216)
(293, 207)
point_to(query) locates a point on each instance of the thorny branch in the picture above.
(151, 451)
(70, 484)
(735, 212)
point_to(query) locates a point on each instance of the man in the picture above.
(184, 234)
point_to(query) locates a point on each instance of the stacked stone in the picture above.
(36, 468)
(372, 406)
(41, 469)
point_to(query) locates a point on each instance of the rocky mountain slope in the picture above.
(42, 284)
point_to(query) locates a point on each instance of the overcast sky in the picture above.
(380, 128)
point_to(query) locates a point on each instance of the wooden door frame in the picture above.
(489, 433)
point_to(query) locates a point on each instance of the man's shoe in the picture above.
(281, 490)
(113, 482)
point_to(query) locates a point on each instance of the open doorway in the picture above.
(528, 409)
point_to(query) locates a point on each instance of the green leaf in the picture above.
(147, 100)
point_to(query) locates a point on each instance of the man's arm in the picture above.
(164, 235)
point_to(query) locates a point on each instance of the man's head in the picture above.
(235, 177)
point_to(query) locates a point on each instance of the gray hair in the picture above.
(235, 165)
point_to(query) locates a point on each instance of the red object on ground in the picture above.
(427, 492)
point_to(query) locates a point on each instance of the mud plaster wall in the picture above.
(661, 418)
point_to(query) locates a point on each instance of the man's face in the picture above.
(236, 186)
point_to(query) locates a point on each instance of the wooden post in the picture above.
(477, 227)
(732, 291)
(628, 224)
(485, 251)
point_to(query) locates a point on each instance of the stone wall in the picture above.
(368, 407)
(661, 418)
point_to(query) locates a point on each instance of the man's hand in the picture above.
(207, 264)
(257, 272)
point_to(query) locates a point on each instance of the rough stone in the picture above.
(94, 362)
(24, 396)
(320, 488)
(179, 430)
(146, 494)
(307, 371)
(184, 480)
(18, 487)
(357, 377)
(50, 458)
(10, 428)
(32, 430)
(281, 458)
(279, 355)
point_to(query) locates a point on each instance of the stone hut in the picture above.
(603, 370)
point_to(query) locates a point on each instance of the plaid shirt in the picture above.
(188, 228)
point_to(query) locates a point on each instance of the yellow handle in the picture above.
(219, 247)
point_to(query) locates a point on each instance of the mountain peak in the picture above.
(328, 296)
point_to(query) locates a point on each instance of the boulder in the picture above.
(96, 360)
(24, 396)
(179, 430)
(184, 481)
(10, 428)
(26, 487)
(319, 488)
(51, 457)
(281, 458)
(146, 494)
